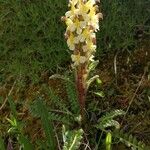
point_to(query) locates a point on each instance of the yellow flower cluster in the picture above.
(82, 22)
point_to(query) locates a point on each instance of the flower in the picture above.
(91, 58)
(70, 14)
(94, 22)
(70, 25)
(79, 25)
(85, 7)
(71, 41)
(77, 59)
(89, 47)
(85, 34)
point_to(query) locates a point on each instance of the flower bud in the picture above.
(63, 18)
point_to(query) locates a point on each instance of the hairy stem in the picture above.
(81, 88)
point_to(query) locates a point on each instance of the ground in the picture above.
(125, 80)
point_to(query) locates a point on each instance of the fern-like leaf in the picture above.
(66, 119)
(72, 139)
(129, 140)
(52, 116)
(42, 112)
(93, 65)
(108, 121)
(72, 97)
(112, 114)
(56, 100)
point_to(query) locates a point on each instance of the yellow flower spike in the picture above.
(82, 21)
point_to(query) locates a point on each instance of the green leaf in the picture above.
(56, 100)
(108, 141)
(98, 81)
(93, 65)
(72, 97)
(12, 106)
(100, 94)
(91, 80)
(12, 121)
(46, 123)
(25, 143)
(72, 139)
(129, 140)
(112, 114)
(64, 117)
(108, 121)
(2, 147)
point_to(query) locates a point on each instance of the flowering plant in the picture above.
(82, 22)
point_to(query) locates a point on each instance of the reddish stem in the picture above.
(81, 88)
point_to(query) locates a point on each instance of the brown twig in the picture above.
(59, 147)
(87, 145)
(134, 95)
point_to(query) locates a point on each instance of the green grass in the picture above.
(122, 24)
(31, 33)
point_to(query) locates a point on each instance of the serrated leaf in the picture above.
(72, 97)
(56, 100)
(112, 114)
(129, 140)
(46, 122)
(93, 65)
(108, 123)
(72, 139)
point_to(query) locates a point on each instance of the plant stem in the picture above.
(81, 88)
